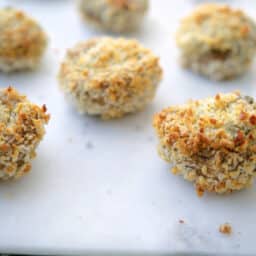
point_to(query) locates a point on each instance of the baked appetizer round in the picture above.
(211, 142)
(217, 41)
(22, 41)
(21, 130)
(110, 77)
(114, 15)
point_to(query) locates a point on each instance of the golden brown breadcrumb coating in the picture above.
(114, 15)
(110, 77)
(22, 40)
(225, 229)
(211, 142)
(217, 41)
(21, 130)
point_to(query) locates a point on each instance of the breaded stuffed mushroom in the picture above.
(217, 42)
(21, 129)
(22, 41)
(110, 77)
(114, 15)
(211, 142)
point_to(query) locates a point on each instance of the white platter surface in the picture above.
(100, 186)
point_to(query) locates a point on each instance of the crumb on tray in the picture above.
(225, 228)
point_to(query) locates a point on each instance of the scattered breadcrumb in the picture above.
(225, 229)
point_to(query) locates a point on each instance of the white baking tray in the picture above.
(100, 186)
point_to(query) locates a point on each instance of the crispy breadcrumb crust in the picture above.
(225, 229)
(21, 130)
(217, 41)
(211, 142)
(22, 40)
(110, 77)
(114, 15)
